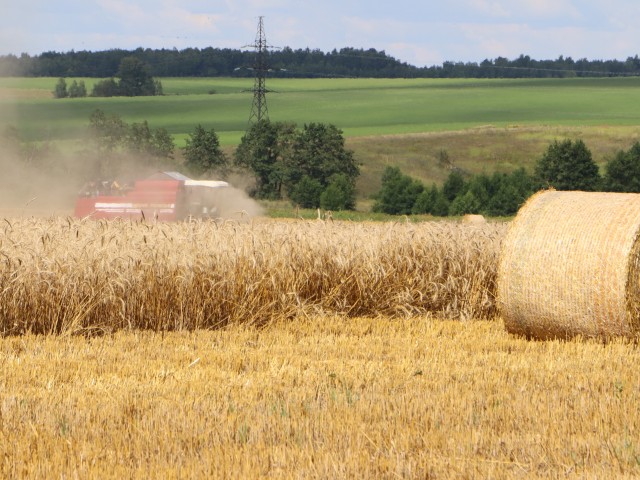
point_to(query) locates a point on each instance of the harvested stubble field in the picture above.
(289, 350)
(324, 397)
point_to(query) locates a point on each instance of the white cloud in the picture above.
(363, 26)
(181, 18)
(420, 55)
(511, 40)
(494, 40)
(269, 4)
(548, 8)
(489, 7)
(128, 13)
(624, 17)
(526, 9)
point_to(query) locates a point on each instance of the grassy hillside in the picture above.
(476, 150)
(481, 124)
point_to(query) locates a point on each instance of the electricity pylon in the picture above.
(259, 110)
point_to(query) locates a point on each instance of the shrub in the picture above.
(622, 173)
(465, 203)
(339, 195)
(105, 88)
(306, 193)
(398, 193)
(426, 201)
(453, 185)
(61, 89)
(77, 89)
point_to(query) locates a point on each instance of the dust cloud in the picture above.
(35, 179)
(234, 203)
(44, 178)
(32, 179)
(29, 189)
(39, 180)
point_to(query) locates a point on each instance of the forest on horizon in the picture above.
(301, 63)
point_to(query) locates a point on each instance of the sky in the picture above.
(419, 32)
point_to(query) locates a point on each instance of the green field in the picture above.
(357, 106)
(482, 124)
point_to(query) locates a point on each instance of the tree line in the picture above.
(303, 63)
(310, 167)
(565, 165)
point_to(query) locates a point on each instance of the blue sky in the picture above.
(420, 32)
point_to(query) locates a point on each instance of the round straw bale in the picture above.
(570, 264)
(473, 219)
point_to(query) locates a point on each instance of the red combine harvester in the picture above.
(163, 196)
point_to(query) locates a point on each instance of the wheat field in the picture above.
(300, 349)
(69, 276)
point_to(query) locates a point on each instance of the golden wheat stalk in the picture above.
(61, 275)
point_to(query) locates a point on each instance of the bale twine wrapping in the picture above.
(569, 266)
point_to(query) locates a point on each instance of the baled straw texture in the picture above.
(569, 266)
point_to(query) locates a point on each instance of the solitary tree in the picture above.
(112, 134)
(135, 78)
(153, 143)
(162, 144)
